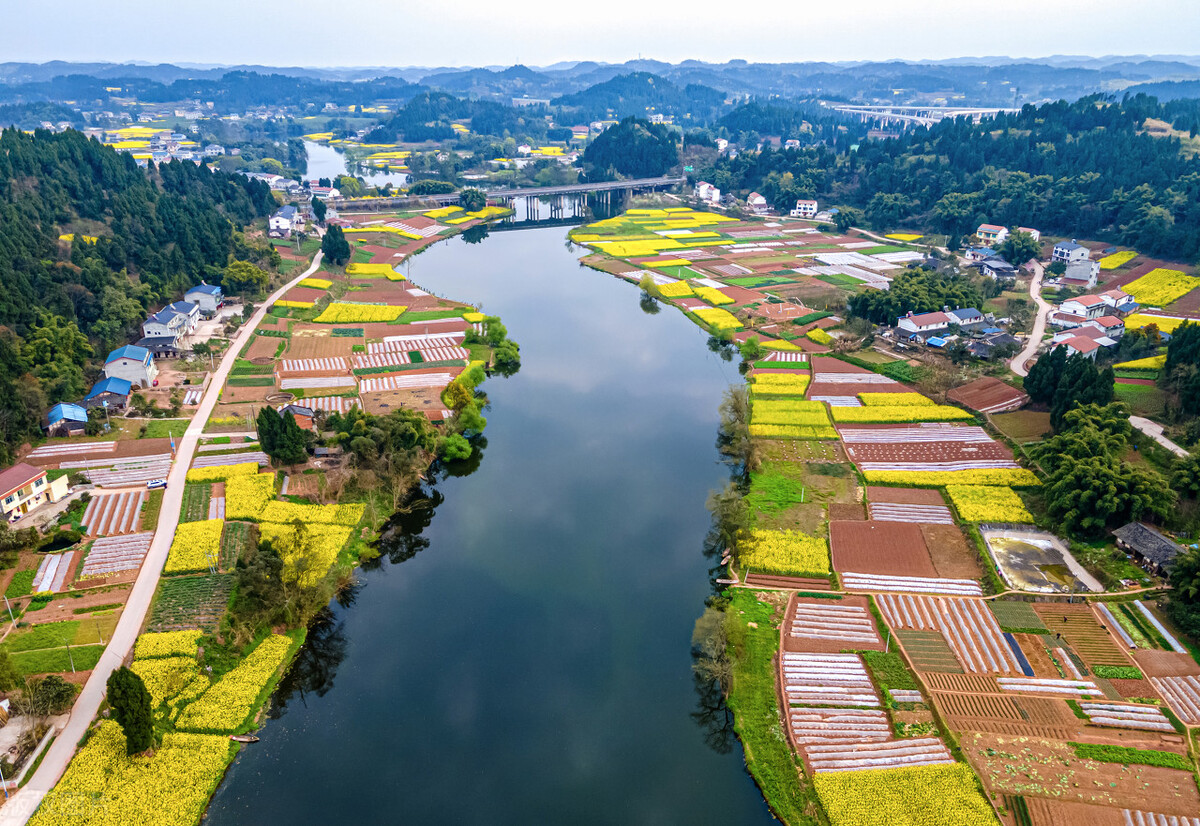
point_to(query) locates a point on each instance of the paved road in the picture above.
(1039, 324)
(22, 805)
(1155, 431)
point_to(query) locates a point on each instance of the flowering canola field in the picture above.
(340, 312)
(936, 795)
(979, 503)
(1160, 287)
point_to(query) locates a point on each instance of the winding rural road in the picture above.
(1039, 324)
(21, 806)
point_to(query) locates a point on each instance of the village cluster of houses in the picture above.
(133, 366)
(982, 332)
(1088, 322)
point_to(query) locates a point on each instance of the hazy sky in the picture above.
(539, 32)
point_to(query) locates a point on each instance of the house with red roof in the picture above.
(1088, 306)
(992, 233)
(923, 323)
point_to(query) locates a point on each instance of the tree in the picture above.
(1088, 496)
(752, 349)
(1081, 383)
(1044, 375)
(243, 277)
(845, 218)
(454, 447)
(130, 703)
(291, 447)
(1019, 247)
(1185, 477)
(335, 246)
(472, 199)
(268, 425)
(319, 209)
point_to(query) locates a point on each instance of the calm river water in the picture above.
(523, 656)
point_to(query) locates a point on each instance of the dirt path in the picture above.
(1039, 324)
(21, 806)
(1155, 431)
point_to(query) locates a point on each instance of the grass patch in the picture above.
(412, 317)
(163, 428)
(1143, 399)
(250, 381)
(1022, 425)
(755, 712)
(50, 635)
(235, 541)
(151, 509)
(21, 584)
(50, 660)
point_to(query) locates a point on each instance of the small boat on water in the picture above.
(243, 738)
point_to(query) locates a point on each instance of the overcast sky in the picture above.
(540, 32)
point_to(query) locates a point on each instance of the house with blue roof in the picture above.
(112, 393)
(132, 363)
(65, 419)
(208, 297)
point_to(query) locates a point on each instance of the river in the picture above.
(326, 162)
(526, 657)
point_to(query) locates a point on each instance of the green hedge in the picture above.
(1128, 755)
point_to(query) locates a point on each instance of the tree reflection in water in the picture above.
(317, 662)
(712, 715)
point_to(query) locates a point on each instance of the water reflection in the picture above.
(317, 662)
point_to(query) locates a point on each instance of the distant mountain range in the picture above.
(994, 81)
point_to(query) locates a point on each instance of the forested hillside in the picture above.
(61, 304)
(1084, 169)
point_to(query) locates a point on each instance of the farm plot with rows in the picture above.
(829, 626)
(969, 628)
(115, 555)
(1084, 633)
(187, 602)
(826, 680)
(109, 514)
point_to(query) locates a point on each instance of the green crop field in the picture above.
(190, 602)
(195, 502)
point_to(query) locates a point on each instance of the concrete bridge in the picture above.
(915, 115)
(507, 196)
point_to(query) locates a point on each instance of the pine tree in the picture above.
(1043, 376)
(268, 430)
(335, 246)
(291, 447)
(130, 703)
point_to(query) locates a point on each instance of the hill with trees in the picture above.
(634, 148)
(1085, 169)
(635, 94)
(158, 232)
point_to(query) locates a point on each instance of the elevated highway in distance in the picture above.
(571, 190)
(914, 115)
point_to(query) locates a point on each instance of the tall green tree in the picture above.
(130, 704)
(319, 209)
(472, 199)
(242, 277)
(1019, 247)
(335, 246)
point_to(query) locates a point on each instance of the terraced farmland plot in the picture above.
(831, 625)
(186, 602)
(114, 513)
(826, 680)
(1083, 633)
(970, 630)
(196, 497)
(235, 541)
(977, 706)
(1016, 615)
(928, 651)
(116, 554)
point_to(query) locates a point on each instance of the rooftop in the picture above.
(18, 476)
(69, 412)
(111, 385)
(1149, 543)
(129, 351)
(206, 289)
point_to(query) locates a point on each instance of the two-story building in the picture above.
(284, 221)
(968, 318)
(923, 323)
(992, 233)
(1110, 325)
(708, 193)
(996, 267)
(757, 203)
(208, 297)
(177, 319)
(132, 363)
(1081, 275)
(1087, 306)
(805, 208)
(1118, 300)
(1068, 251)
(23, 487)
